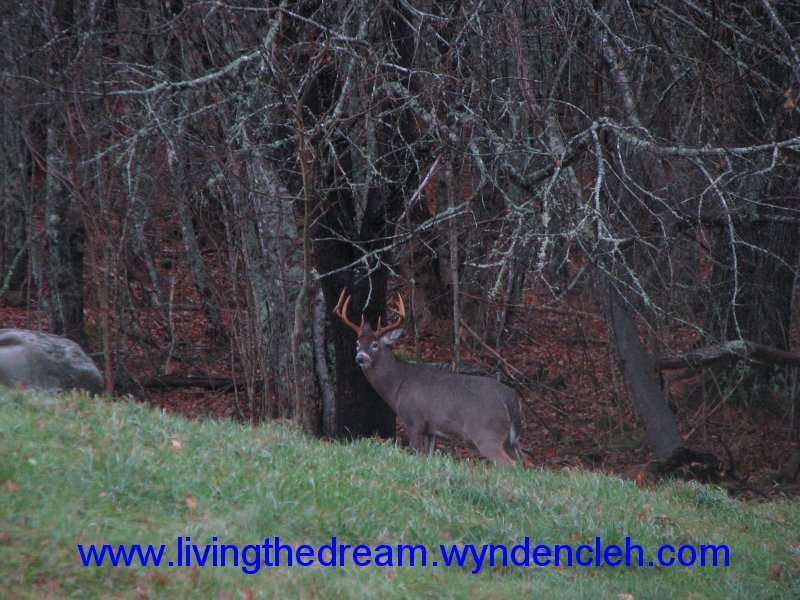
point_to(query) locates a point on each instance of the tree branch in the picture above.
(737, 349)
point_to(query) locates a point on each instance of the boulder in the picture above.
(46, 362)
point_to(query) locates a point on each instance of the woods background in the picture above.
(628, 170)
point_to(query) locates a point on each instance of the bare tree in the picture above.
(470, 152)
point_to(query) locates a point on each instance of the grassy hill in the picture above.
(75, 470)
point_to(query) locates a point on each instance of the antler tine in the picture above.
(400, 311)
(340, 310)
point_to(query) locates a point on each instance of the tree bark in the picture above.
(340, 240)
(634, 362)
(209, 298)
(733, 350)
(64, 228)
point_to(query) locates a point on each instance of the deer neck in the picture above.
(386, 379)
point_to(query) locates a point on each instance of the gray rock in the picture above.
(46, 362)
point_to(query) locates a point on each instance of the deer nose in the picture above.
(363, 360)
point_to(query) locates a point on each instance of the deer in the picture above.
(433, 403)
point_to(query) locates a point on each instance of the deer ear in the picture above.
(391, 337)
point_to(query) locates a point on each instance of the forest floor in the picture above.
(576, 413)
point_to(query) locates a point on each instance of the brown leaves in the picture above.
(788, 104)
(191, 503)
(643, 478)
(10, 486)
(776, 572)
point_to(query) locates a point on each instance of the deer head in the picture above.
(372, 345)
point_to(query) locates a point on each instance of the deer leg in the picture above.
(514, 451)
(416, 434)
(421, 441)
(496, 453)
(431, 444)
(417, 439)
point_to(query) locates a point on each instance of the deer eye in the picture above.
(374, 345)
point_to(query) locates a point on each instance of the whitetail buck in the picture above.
(432, 402)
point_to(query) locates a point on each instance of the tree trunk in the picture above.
(751, 300)
(340, 238)
(208, 296)
(636, 367)
(65, 236)
(14, 240)
(358, 410)
(63, 226)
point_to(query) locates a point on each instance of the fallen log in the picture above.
(206, 382)
(734, 350)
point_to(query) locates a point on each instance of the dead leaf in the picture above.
(644, 478)
(10, 486)
(176, 444)
(191, 502)
(776, 572)
(788, 104)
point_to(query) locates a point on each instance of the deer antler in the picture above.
(400, 311)
(341, 311)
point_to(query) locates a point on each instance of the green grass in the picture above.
(78, 470)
